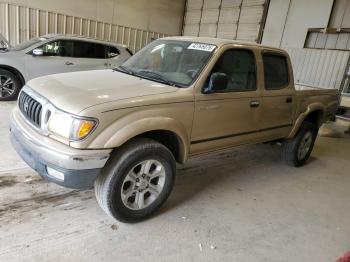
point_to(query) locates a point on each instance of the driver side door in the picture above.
(230, 116)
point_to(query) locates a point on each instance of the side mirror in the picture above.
(37, 52)
(218, 82)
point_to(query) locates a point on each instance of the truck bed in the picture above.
(307, 95)
(313, 90)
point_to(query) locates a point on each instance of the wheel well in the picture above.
(314, 117)
(168, 139)
(14, 71)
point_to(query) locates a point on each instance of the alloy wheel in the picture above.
(143, 184)
(305, 145)
(7, 87)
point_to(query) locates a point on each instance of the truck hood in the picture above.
(74, 92)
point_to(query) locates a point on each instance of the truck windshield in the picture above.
(172, 62)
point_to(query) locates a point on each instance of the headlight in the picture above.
(69, 126)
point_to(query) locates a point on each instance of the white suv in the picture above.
(52, 54)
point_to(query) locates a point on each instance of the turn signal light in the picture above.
(82, 128)
(85, 128)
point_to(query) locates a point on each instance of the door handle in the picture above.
(289, 100)
(254, 103)
(69, 63)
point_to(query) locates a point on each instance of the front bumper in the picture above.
(76, 168)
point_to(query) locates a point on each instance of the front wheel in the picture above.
(136, 181)
(9, 85)
(297, 151)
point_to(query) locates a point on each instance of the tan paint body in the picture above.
(127, 106)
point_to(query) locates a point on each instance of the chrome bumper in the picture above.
(80, 167)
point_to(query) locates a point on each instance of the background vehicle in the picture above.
(176, 98)
(53, 54)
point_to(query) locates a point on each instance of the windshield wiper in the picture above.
(158, 76)
(124, 69)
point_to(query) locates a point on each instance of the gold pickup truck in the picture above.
(124, 130)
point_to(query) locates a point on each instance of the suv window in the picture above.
(275, 71)
(111, 51)
(240, 68)
(58, 48)
(84, 49)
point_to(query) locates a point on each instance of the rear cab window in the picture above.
(276, 73)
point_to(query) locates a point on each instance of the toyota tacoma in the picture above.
(123, 130)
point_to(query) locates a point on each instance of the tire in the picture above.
(296, 151)
(10, 85)
(118, 179)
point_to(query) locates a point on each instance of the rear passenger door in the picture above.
(278, 95)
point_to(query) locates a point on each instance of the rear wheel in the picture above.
(10, 85)
(297, 151)
(136, 181)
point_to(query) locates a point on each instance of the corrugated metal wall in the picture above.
(319, 68)
(19, 23)
(231, 19)
(340, 14)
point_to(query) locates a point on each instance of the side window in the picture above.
(58, 48)
(111, 51)
(275, 71)
(240, 68)
(84, 49)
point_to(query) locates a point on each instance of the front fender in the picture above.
(119, 133)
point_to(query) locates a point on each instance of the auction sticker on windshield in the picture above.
(202, 47)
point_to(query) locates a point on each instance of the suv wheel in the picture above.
(9, 85)
(296, 151)
(136, 181)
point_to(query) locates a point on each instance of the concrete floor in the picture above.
(239, 205)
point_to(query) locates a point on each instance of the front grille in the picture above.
(30, 108)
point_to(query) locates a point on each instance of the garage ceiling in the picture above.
(231, 19)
